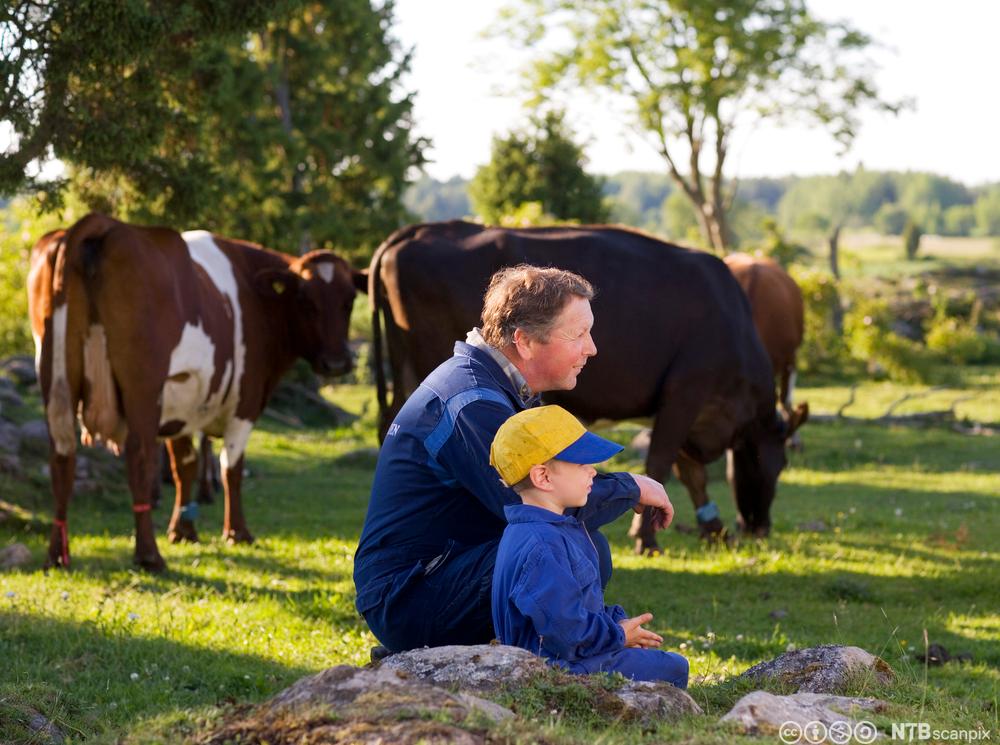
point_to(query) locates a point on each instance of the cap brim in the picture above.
(589, 449)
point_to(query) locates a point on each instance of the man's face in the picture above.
(554, 364)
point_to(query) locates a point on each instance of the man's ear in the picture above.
(276, 283)
(523, 343)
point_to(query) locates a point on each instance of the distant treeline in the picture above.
(801, 205)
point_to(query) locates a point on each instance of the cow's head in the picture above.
(317, 290)
(755, 466)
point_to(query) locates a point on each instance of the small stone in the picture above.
(15, 555)
(481, 668)
(134, 677)
(778, 613)
(813, 526)
(763, 713)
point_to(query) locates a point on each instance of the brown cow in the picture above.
(673, 331)
(776, 304)
(144, 334)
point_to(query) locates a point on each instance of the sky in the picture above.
(947, 60)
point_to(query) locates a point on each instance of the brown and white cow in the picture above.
(144, 333)
(778, 315)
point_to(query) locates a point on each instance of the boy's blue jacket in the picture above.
(547, 594)
(434, 488)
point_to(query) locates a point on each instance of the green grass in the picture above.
(112, 654)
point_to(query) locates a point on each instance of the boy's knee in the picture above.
(679, 669)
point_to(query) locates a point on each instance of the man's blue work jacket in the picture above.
(434, 488)
(547, 594)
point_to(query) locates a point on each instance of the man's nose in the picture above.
(590, 349)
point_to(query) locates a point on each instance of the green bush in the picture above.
(823, 344)
(867, 331)
(959, 339)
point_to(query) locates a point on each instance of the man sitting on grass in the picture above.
(547, 595)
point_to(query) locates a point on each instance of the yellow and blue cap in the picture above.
(534, 436)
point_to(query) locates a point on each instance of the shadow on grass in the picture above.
(93, 681)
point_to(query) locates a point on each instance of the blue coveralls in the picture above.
(424, 565)
(547, 599)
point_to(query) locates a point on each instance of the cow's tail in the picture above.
(376, 296)
(80, 348)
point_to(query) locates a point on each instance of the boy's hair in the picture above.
(529, 298)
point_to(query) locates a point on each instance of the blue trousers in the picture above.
(447, 601)
(642, 664)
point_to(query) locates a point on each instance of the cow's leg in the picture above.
(142, 461)
(786, 396)
(184, 464)
(63, 470)
(208, 472)
(694, 476)
(234, 527)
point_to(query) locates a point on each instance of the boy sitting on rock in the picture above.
(547, 595)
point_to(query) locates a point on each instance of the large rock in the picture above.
(15, 555)
(490, 668)
(484, 668)
(35, 432)
(10, 437)
(349, 704)
(824, 669)
(763, 713)
(21, 367)
(8, 393)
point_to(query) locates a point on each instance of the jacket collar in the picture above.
(528, 513)
(496, 372)
(475, 339)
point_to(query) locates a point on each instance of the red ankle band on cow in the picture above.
(137, 508)
(59, 523)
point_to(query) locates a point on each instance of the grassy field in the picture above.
(881, 536)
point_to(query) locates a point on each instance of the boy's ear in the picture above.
(539, 476)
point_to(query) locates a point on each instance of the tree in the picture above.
(285, 125)
(539, 164)
(694, 70)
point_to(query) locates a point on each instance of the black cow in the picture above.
(674, 335)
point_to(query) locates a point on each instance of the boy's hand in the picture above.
(636, 635)
(652, 494)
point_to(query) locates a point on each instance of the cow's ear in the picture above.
(797, 418)
(276, 283)
(360, 278)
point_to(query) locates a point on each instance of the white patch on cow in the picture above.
(326, 271)
(185, 392)
(234, 442)
(59, 410)
(38, 354)
(790, 395)
(192, 362)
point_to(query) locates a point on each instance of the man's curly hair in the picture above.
(529, 298)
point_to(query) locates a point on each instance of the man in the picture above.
(424, 565)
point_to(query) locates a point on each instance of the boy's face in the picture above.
(571, 482)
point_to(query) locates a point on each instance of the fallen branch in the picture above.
(850, 400)
(910, 397)
(289, 419)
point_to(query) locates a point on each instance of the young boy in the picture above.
(547, 595)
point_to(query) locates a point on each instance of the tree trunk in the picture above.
(834, 251)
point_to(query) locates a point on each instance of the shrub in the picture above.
(823, 343)
(870, 340)
(959, 339)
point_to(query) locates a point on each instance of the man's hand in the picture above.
(636, 635)
(652, 494)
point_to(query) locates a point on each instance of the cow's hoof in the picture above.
(647, 548)
(152, 563)
(183, 532)
(54, 562)
(713, 531)
(232, 537)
